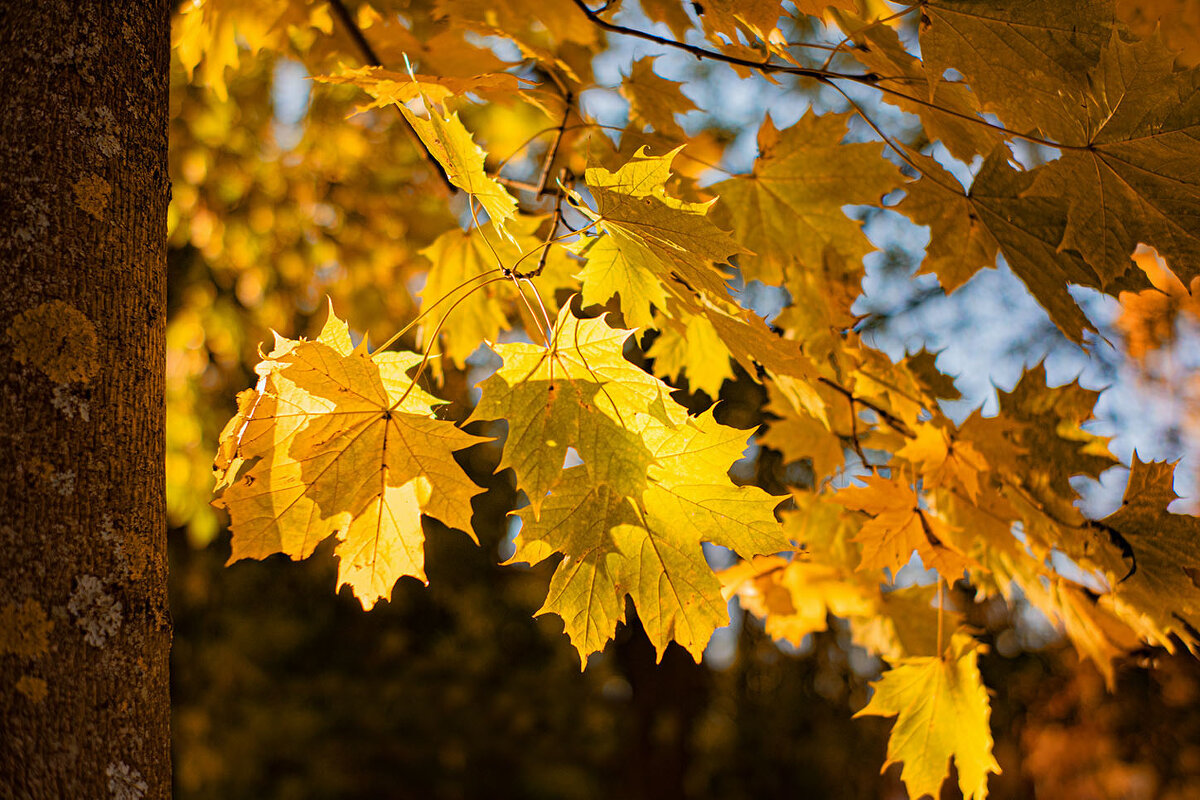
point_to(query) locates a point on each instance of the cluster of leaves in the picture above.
(1081, 139)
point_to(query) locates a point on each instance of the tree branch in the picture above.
(892, 421)
(371, 58)
(821, 75)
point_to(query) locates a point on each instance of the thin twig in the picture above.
(823, 76)
(894, 422)
(854, 431)
(369, 55)
(558, 137)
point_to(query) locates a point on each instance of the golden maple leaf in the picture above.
(335, 441)
(899, 526)
(942, 711)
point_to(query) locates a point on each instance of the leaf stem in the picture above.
(392, 339)
(433, 340)
(941, 604)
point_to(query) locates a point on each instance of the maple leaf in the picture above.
(960, 243)
(942, 712)
(1038, 436)
(952, 116)
(671, 240)
(448, 141)
(1156, 587)
(581, 395)
(900, 526)
(1021, 58)
(944, 461)
(788, 211)
(654, 100)
(1129, 166)
(998, 215)
(653, 485)
(335, 443)
(613, 270)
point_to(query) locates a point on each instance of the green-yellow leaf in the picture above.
(942, 712)
(789, 210)
(609, 271)
(451, 144)
(652, 487)
(671, 239)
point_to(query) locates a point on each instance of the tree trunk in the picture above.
(84, 627)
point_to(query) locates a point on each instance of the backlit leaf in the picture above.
(942, 712)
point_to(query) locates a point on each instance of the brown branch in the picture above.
(821, 75)
(892, 421)
(558, 137)
(372, 59)
(715, 55)
(554, 223)
(858, 449)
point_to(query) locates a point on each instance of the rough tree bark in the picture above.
(84, 626)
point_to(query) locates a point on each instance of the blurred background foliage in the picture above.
(283, 196)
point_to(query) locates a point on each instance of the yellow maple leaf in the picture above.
(795, 598)
(334, 442)
(943, 461)
(942, 711)
(448, 140)
(695, 350)
(671, 239)
(898, 527)
(789, 210)
(653, 485)
(654, 100)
